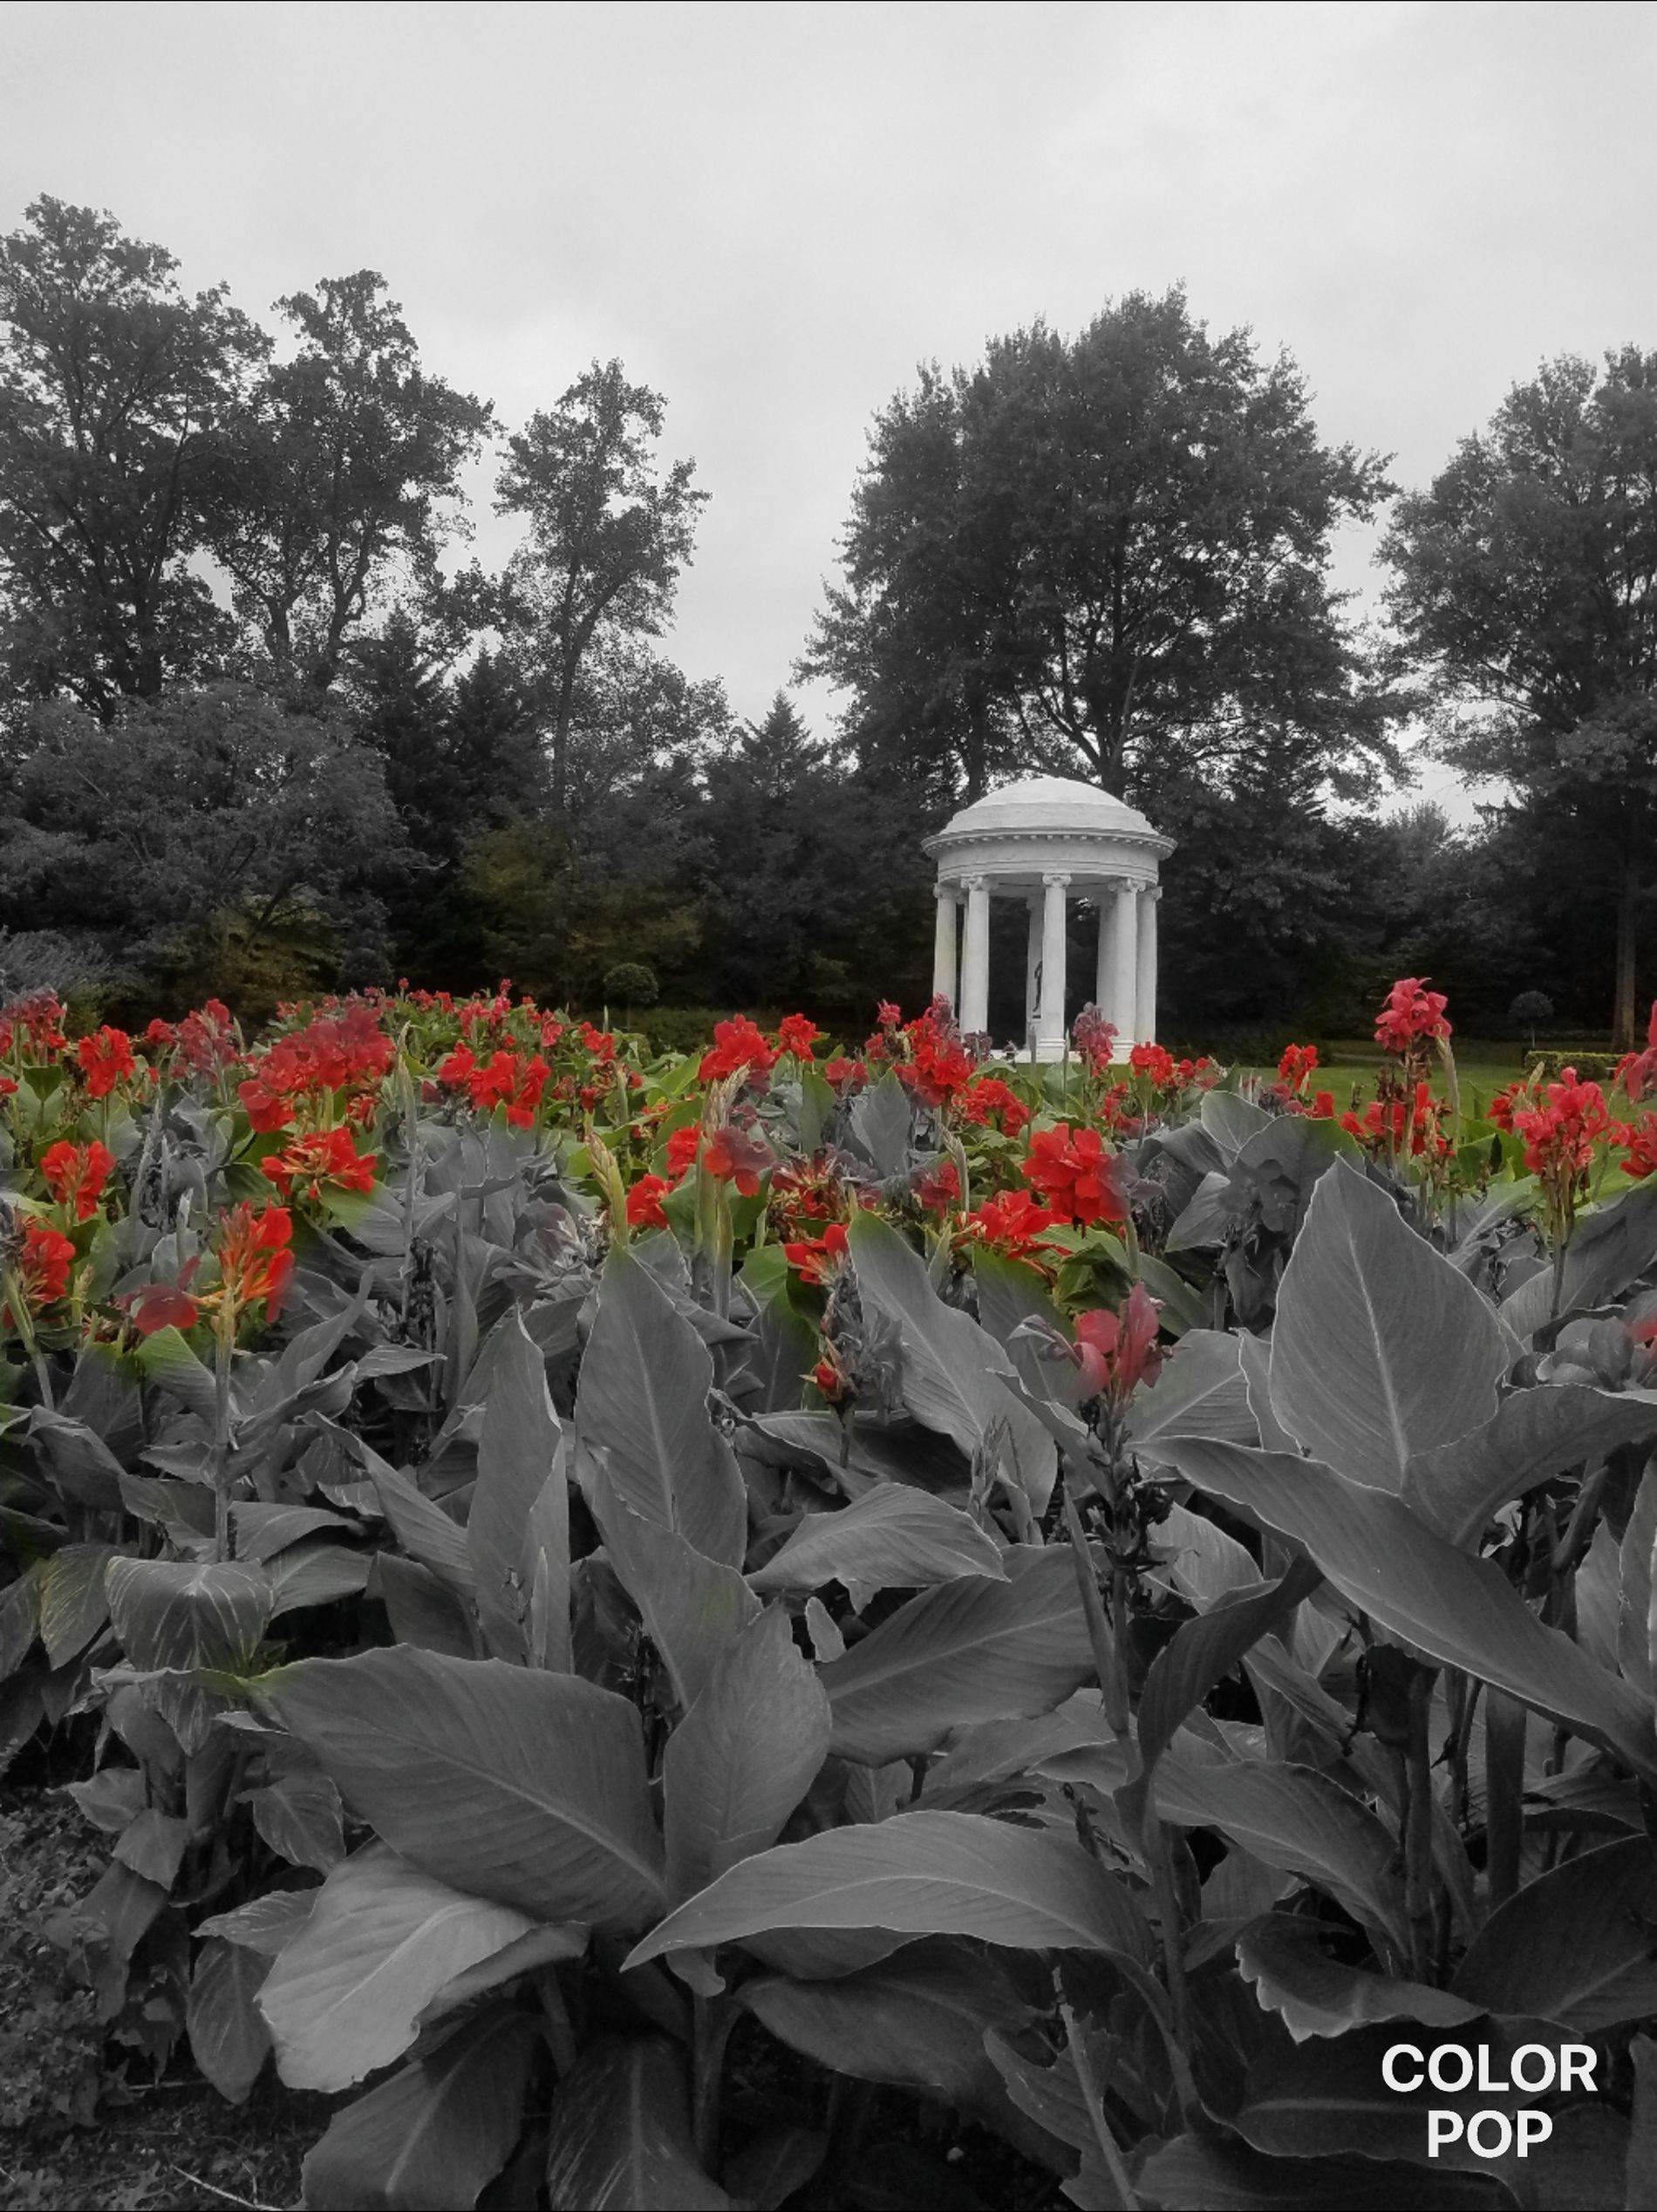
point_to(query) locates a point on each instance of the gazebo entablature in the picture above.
(1044, 843)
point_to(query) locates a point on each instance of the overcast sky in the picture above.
(773, 212)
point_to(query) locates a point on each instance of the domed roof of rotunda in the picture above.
(1059, 804)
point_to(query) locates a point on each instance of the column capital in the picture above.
(1055, 877)
(1150, 890)
(951, 891)
(974, 882)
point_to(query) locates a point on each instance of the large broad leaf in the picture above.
(916, 2021)
(1608, 1250)
(299, 1816)
(426, 1532)
(71, 1601)
(1292, 1817)
(435, 2136)
(881, 1120)
(892, 1538)
(1201, 1391)
(1575, 1945)
(1380, 1348)
(744, 1755)
(621, 2133)
(1460, 1611)
(345, 1997)
(1312, 1994)
(170, 1613)
(1532, 1435)
(1231, 1119)
(690, 1606)
(919, 1874)
(644, 1379)
(520, 1453)
(522, 1786)
(953, 1371)
(1200, 1653)
(971, 1651)
(1193, 2173)
(229, 2038)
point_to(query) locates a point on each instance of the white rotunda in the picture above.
(1044, 841)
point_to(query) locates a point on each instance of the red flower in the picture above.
(1095, 1039)
(832, 1379)
(939, 1188)
(797, 1035)
(458, 1066)
(1077, 1176)
(40, 1269)
(1117, 1352)
(1559, 1135)
(1637, 1071)
(75, 1174)
(682, 1148)
(990, 1105)
(887, 1015)
(845, 1076)
(1639, 1143)
(1154, 1061)
(737, 1045)
(1411, 1016)
(1296, 1066)
(106, 1060)
(506, 1080)
(34, 1023)
(330, 1157)
(813, 1257)
(1323, 1106)
(159, 1306)
(644, 1202)
(736, 1156)
(254, 1263)
(1013, 1223)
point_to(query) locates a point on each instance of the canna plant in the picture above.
(1095, 1605)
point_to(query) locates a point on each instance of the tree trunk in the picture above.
(1622, 1009)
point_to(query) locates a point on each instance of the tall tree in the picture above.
(1525, 589)
(609, 532)
(1108, 557)
(113, 387)
(340, 478)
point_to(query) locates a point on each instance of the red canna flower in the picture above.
(644, 1202)
(1154, 1061)
(1077, 1176)
(1638, 1141)
(159, 1306)
(797, 1035)
(1637, 1071)
(331, 1157)
(1012, 1223)
(1295, 1067)
(1412, 1015)
(682, 1148)
(75, 1174)
(990, 1104)
(254, 1263)
(1095, 1039)
(39, 1270)
(106, 1060)
(1116, 1353)
(737, 1045)
(814, 1257)
(737, 1156)
(939, 1188)
(845, 1076)
(1560, 1135)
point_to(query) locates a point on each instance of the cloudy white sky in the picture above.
(772, 211)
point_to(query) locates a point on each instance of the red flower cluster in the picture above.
(814, 1257)
(505, 1078)
(348, 1050)
(1409, 1126)
(331, 1157)
(1412, 1015)
(75, 1175)
(1095, 1039)
(1012, 1223)
(1560, 1132)
(736, 1156)
(40, 1269)
(106, 1060)
(206, 1040)
(990, 1104)
(1639, 1143)
(939, 1188)
(1294, 1069)
(797, 1035)
(737, 1045)
(1077, 1176)
(1637, 1071)
(1116, 1353)
(939, 1065)
(644, 1202)
(255, 1262)
(33, 1026)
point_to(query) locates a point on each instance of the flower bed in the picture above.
(596, 1598)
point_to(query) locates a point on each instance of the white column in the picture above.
(975, 958)
(1050, 1020)
(1031, 970)
(1145, 981)
(944, 943)
(1124, 939)
(1105, 970)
